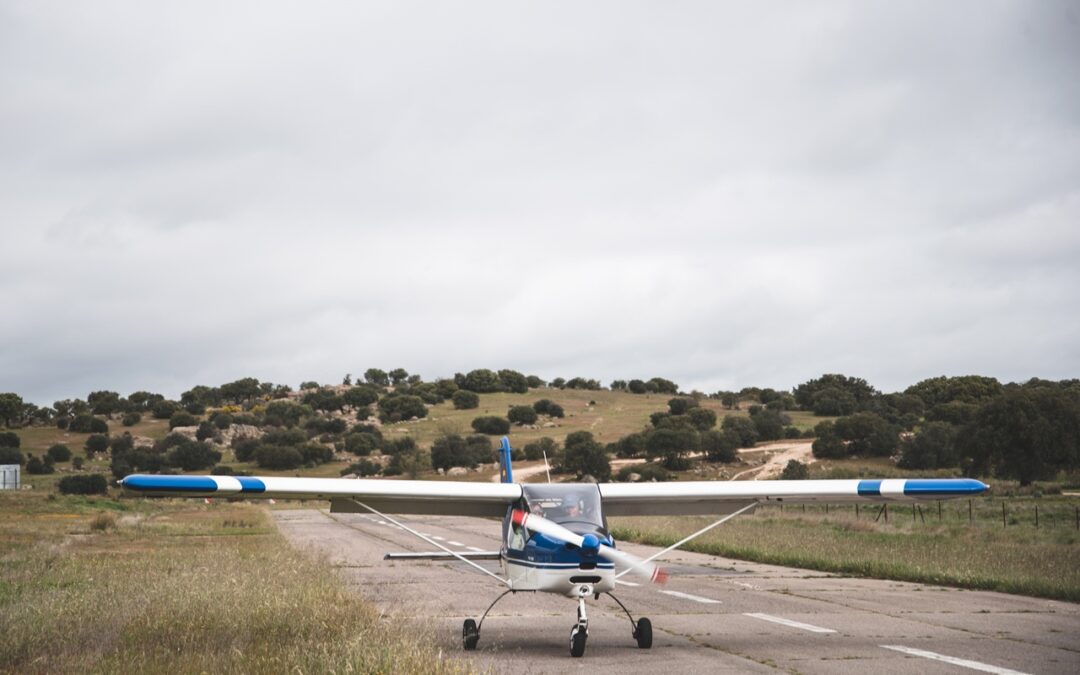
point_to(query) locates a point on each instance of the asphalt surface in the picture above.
(714, 615)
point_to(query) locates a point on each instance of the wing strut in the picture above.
(430, 541)
(692, 536)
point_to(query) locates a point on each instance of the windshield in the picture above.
(575, 507)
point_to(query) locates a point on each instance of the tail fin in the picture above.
(505, 472)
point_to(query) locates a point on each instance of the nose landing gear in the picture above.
(580, 632)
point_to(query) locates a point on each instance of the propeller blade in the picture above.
(536, 523)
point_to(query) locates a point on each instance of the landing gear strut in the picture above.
(642, 628)
(580, 632)
(470, 631)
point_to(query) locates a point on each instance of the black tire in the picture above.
(643, 633)
(577, 643)
(469, 635)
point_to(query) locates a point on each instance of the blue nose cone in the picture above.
(590, 543)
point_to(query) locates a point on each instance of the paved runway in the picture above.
(714, 615)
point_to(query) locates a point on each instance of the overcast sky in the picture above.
(723, 194)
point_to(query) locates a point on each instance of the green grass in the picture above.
(1017, 558)
(97, 585)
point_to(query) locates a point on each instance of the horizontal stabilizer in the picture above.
(439, 555)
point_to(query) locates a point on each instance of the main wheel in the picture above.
(577, 642)
(469, 635)
(643, 633)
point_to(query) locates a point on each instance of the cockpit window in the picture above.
(575, 507)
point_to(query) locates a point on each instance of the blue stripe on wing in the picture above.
(946, 487)
(869, 488)
(171, 483)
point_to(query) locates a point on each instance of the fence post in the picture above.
(913, 513)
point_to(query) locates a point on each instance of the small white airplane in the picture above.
(555, 536)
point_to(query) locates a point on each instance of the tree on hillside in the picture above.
(721, 445)
(834, 394)
(481, 381)
(465, 400)
(659, 385)
(585, 457)
(868, 434)
(513, 381)
(933, 447)
(637, 387)
(522, 415)
(680, 406)
(744, 427)
(491, 425)
(241, 391)
(795, 470)
(548, 407)
(105, 402)
(11, 407)
(395, 408)
(1027, 433)
(672, 445)
(377, 377)
(965, 389)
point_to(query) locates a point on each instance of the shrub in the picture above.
(744, 427)
(720, 446)
(795, 470)
(451, 450)
(536, 450)
(521, 414)
(182, 418)
(278, 457)
(221, 420)
(364, 467)
(195, 408)
(465, 400)
(361, 444)
(130, 419)
(491, 425)
(35, 466)
(205, 431)
(11, 456)
(63, 422)
(586, 457)
(702, 419)
(10, 439)
(316, 453)
(84, 484)
(77, 463)
(398, 408)
(548, 407)
(103, 521)
(96, 443)
(245, 448)
(59, 452)
(792, 432)
(163, 410)
(193, 456)
(680, 406)
(81, 423)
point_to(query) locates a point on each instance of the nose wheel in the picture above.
(580, 632)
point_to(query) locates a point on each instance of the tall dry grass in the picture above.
(1017, 558)
(185, 589)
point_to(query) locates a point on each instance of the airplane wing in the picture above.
(424, 497)
(720, 497)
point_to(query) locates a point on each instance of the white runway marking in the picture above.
(455, 543)
(963, 663)
(626, 583)
(473, 548)
(789, 622)
(437, 537)
(695, 598)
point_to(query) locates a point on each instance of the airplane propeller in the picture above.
(537, 523)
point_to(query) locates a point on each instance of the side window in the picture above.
(515, 535)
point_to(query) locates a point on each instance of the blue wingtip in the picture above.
(507, 472)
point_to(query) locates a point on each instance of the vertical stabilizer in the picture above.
(506, 473)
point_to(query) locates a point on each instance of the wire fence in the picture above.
(1004, 512)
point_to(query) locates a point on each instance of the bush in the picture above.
(792, 432)
(491, 425)
(63, 422)
(221, 420)
(245, 448)
(59, 452)
(193, 456)
(398, 408)
(35, 466)
(182, 418)
(361, 444)
(163, 410)
(11, 456)
(585, 457)
(744, 427)
(536, 450)
(130, 419)
(205, 431)
(77, 463)
(703, 419)
(548, 407)
(84, 484)
(630, 446)
(96, 443)
(680, 406)
(795, 470)
(465, 400)
(10, 439)
(720, 446)
(521, 414)
(364, 467)
(453, 450)
(278, 457)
